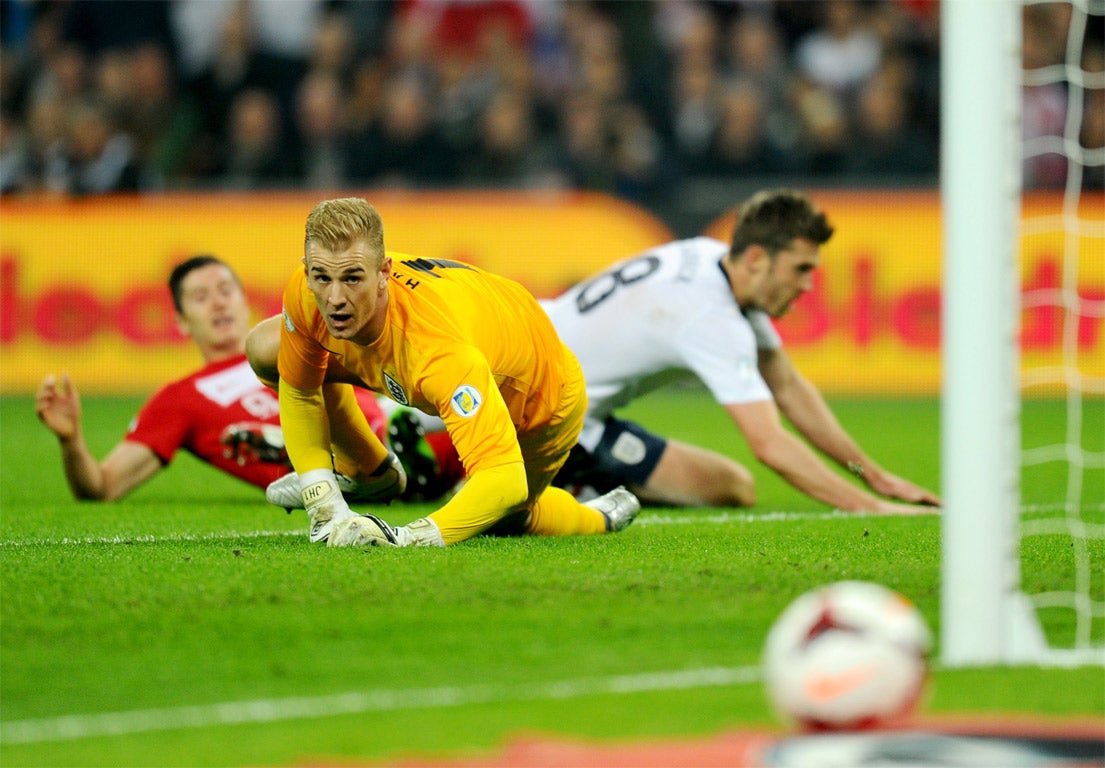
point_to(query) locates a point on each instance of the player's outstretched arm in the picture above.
(129, 464)
(780, 450)
(805, 408)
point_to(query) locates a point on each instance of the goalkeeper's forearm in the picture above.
(487, 496)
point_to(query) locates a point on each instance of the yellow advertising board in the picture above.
(82, 283)
(872, 323)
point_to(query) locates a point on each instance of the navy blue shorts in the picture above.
(626, 454)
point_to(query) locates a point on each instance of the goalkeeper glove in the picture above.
(324, 503)
(371, 531)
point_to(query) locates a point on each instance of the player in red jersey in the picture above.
(222, 413)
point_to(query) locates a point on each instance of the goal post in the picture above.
(980, 200)
(985, 618)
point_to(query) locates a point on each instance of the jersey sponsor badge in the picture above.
(466, 400)
(287, 320)
(395, 389)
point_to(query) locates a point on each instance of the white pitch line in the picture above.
(72, 727)
(722, 518)
(648, 519)
(151, 539)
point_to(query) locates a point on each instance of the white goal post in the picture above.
(985, 618)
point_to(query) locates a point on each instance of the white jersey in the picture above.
(664, 314)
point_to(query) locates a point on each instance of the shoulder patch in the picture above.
(466, 400)
(287, 320)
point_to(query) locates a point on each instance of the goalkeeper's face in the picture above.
(214, 310)
(789, 276)
(350, 290)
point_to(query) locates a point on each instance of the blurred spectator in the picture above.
(255, 156)
(45, 65)
(65, 74)
(404, 148)
(281, 29)
(754, 53)
(600, 68)
(365, 97)
(638, 154)
(1092, 136)
(46, 167)
(695, 112)
(164, 124)
(113, 80)
(237, 65)
(694, 108)
(1093, 139)
(320, 131)
(584, 150)
(509, 152)
(825, 130)
(740, 145)
(1044, 112)
(98, 157)
(332, 48)
(886, 142)
(369, 23)
(842, 54)
(15, 156)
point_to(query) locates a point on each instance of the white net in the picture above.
(1062, 481)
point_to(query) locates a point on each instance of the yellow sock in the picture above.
(357, 450)
(557, 513)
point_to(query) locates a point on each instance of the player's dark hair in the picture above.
(184, 268)
(773, 218)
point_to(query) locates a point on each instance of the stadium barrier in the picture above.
(82, 283)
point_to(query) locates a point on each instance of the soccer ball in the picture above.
(846, 655)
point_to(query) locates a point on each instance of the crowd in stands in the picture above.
(627, 97)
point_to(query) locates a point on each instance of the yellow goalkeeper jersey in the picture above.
(458, 342)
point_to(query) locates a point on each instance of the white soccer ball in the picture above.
(847, 655)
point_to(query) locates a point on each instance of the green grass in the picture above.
(195, 592)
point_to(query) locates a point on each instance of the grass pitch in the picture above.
(193, 624)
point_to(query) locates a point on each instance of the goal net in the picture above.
(1023, 403)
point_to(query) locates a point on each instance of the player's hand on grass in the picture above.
(894, 487)
(59, 406)
(252, 441)
(896, 508)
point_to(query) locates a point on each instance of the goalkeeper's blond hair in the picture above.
(337, 224)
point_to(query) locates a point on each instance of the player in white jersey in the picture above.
(701, 308)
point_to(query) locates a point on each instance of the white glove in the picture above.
(371, 531)
(323, 501)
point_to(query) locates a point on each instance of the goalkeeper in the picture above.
(700, 308)
(222, 413)
(450, 340)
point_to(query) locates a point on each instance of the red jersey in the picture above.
(191, 414)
